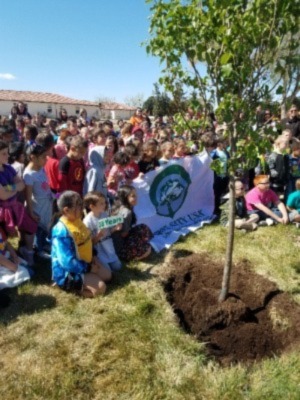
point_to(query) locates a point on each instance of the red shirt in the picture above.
(51, 169)
(71, 174)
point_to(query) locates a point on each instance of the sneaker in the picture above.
(43, 254)
(270, 221)
(267, 222)
(249, 226)
(262, 223)
(27, 255)
(297, 225)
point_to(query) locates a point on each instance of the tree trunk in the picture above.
(230, 240)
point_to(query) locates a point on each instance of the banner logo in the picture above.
(169, 190)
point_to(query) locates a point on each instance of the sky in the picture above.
(81, 49)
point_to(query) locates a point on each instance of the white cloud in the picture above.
(7, 76)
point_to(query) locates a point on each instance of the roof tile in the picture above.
(41, 97)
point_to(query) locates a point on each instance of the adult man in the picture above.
(292, 122)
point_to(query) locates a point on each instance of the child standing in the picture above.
(61, 148)
(71, 169)
(12, 213)
(17, 157)
(149, 159)
(221, 179)
(96, 203)
(117, 176)
(39, 199)
(294, 166)
(131, 241)
(95, 177)
(30, 133)
(167, 152)
(74, 269)
(180, 148)
(278, 162)
(132, 169)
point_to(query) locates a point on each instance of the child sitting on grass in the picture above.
(264, 202)
(293, 204)
(96, 203)
(131, 241)
(74, 269)
(242, 219)
(294, 166)
(13, 270)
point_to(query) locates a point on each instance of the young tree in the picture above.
(224, 51)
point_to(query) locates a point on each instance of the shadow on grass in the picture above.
(42, 272)
(128, 274)
(25, 304)
(296, 267)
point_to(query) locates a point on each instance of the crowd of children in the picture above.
(60, 179)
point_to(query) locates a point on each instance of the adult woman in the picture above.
(137, 118)
(63, 116)
(20, 111)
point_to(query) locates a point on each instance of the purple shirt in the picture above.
(7, 176)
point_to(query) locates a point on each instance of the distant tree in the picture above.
(105, 99)
(179, 102)
(149, 104)
(286, 70)
(162, 103)
(159, 103)
(135, 101)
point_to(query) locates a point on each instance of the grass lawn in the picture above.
(128, 345)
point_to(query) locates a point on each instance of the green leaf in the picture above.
(225, 58)
(279, 90)
(226, 69)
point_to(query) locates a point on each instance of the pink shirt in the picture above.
(132, 170)
(116, 177)
(255, 196)
(60, 150)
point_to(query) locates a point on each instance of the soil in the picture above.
(256, 321)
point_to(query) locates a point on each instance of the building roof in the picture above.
(40, 97)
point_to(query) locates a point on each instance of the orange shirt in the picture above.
(136, 120)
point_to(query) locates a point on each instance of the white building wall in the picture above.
(116, 114)
(51, 110)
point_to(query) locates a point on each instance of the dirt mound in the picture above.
(256, 321)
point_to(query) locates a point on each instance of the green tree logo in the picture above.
(169, 190)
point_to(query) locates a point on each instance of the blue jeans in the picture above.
(263, 216)
(40, 240)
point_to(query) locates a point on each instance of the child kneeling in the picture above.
(74, 268)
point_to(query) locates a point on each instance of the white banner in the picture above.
(176, 199)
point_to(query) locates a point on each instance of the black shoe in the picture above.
(4, 300)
